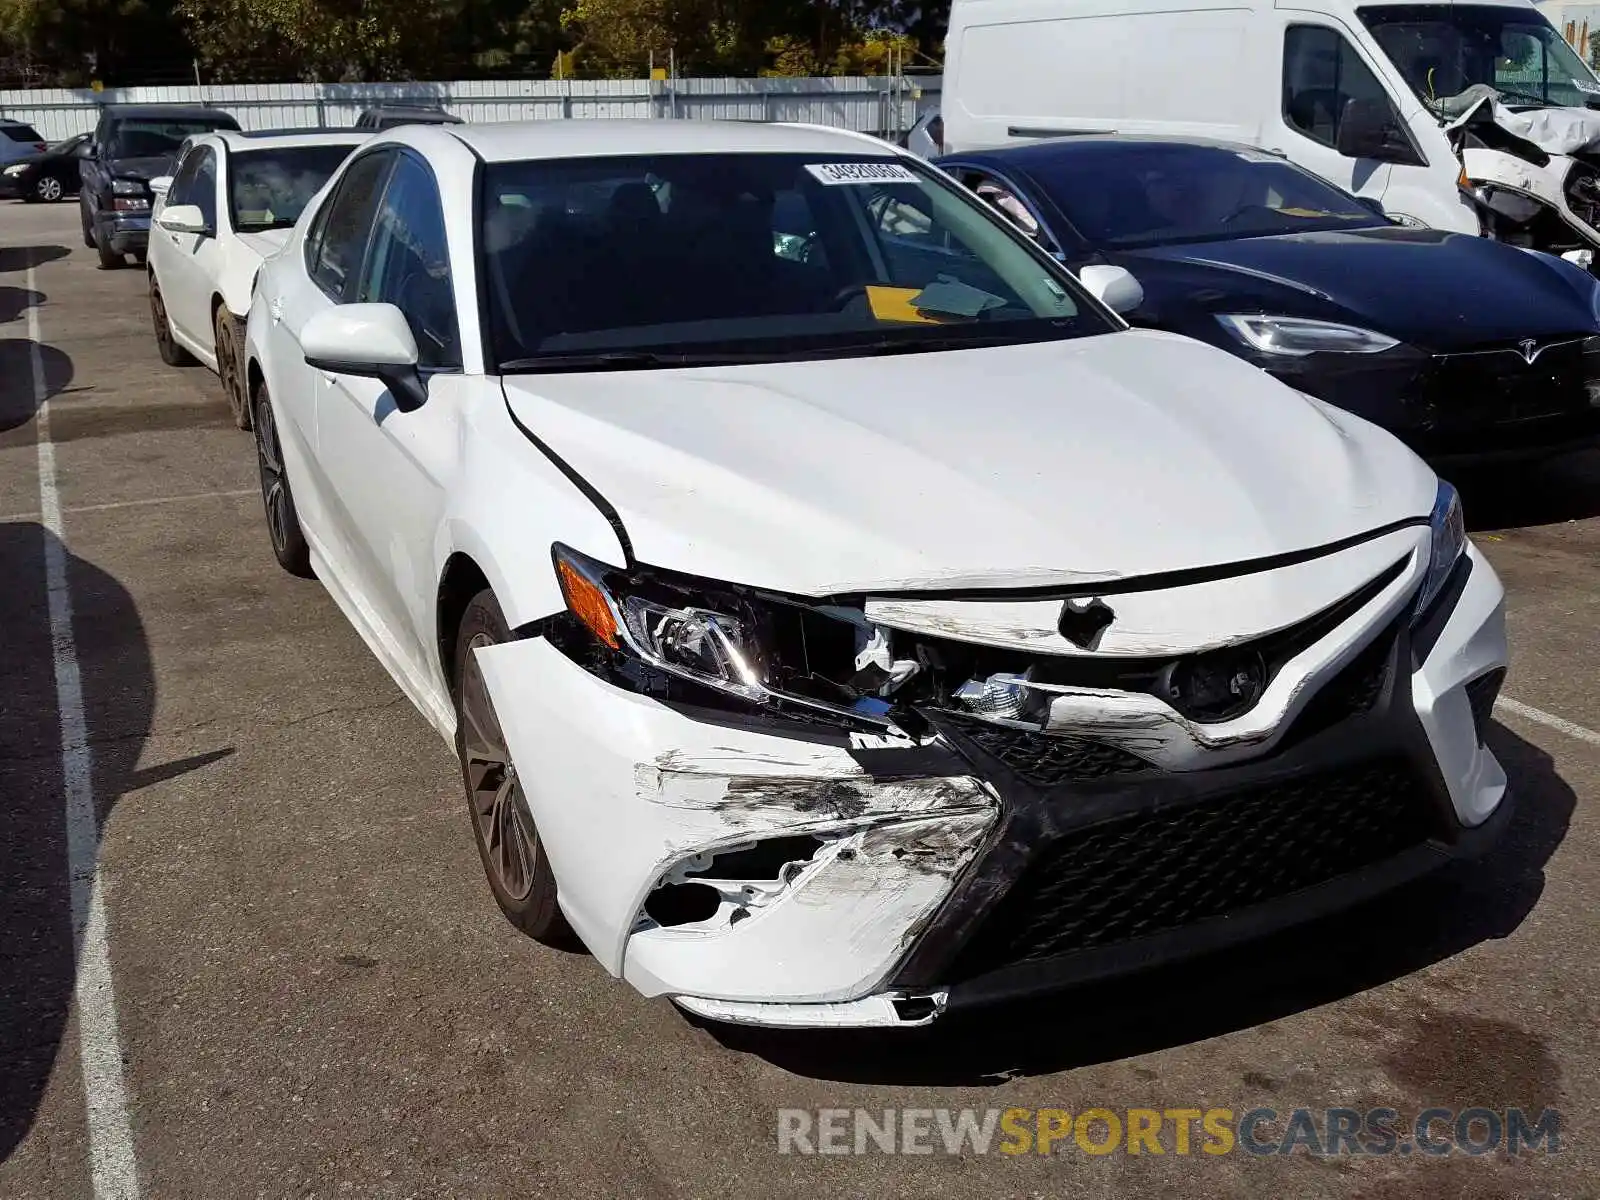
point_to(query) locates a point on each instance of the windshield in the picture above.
(269, 189)
(756, 256)
(155, 138)
(1443, 49)
(1144, 195)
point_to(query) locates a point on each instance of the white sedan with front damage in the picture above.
(231, 201)
(840, 615)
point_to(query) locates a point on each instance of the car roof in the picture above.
(279, 139)
(1092, 145)
(199, 112)
(516, 140)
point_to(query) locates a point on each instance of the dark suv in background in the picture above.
(133, 144)
(387, 116)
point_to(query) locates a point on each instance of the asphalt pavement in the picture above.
(289, 980)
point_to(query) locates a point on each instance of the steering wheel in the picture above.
(846, 294)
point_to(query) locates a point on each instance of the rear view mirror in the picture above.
(1112, 286)
(1368, 128)
(372, 341)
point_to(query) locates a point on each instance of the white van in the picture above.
(1472, 117)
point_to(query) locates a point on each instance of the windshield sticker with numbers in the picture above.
(834, 174)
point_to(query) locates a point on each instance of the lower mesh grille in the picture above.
(1046, 761)
(1156, 871)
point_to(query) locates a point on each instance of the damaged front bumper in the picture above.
(791, 875)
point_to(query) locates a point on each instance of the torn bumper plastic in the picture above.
(811, 878)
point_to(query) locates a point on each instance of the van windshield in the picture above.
(669, 258)
(1444, 49)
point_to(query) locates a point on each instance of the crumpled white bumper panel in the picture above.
(626, 791)
(1473, 644)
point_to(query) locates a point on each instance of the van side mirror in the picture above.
(1368, 128)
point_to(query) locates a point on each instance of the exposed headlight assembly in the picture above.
(1448, 542)
(129, 187)
(802, 660)
(1295, 337)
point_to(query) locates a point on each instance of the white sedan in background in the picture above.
(231, 201)
(839, 613)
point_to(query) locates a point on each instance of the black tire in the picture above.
(172, 354)
(283, 522)
(229, 342)
(513, 857)
(110, 260)
(88, 226)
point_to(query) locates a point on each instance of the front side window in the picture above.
(1322, 76)
(1444, 49)
(203, 193)
(341, 241)
(269, 189)
(182, 189)
(409, 265)
(1153, 194)
(757, 256)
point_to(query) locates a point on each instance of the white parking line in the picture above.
(1539, 717)
(113, 1171)
(231, 494)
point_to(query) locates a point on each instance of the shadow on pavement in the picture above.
(1524, 495)
(18, 403)
(20, 258)
(118, 688)
(1391, 937)
(14, 302)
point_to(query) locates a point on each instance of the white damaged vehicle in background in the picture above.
(858, 620)
(230, 202)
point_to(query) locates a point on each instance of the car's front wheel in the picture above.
(513, 856)
(48, 189)
(283, 522)
(228, 370)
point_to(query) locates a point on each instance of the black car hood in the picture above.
(141, 168)
(1436, 290)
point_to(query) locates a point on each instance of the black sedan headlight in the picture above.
(1295, 337)
(790, 657)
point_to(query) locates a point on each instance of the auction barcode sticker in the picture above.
(834, 174)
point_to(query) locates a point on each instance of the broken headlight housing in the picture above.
(1447, 544)
(811, 661)
(1296, 337)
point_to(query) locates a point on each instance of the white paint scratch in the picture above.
(113, 1170)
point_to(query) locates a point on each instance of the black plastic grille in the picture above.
(1046, 761)
(1350, 693)
(1500, 387)
(1155, 871)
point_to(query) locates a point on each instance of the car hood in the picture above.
(141, 168)
(1060, 463)
(265, 243)
(1437, 290)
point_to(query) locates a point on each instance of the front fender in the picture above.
(511, 504)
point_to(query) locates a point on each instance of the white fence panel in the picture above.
(872, 105)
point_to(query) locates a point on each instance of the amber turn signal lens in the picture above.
(588, 603)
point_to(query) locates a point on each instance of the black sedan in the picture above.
(48, 176)
(1464, 347)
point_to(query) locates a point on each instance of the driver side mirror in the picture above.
(372, 341)
(84, 150)
(1369, 129)
(184, 218)
(1114, 287)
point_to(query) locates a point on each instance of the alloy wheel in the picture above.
(274, 493)
(48, 189)
(495, 791)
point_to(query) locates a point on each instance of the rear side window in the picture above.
(21, 133)
(346, 223)
(1322, 74)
